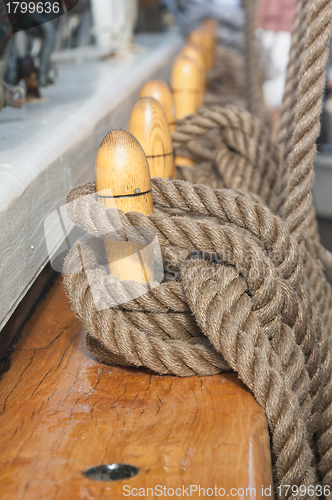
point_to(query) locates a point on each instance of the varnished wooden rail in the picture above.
(63, 412)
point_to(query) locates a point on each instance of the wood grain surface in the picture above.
(149, 124)
(186, 86)
(206, 39)
(123, 181)
(62, 412)
(195, 53)
(160, 90)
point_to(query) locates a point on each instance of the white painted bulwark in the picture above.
(49, 147)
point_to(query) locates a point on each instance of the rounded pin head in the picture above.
(204, 39)
(186, 81)
(194, 52)
(185, 74)
(123, 182)
(160, 91)
(121, 165)
(148, 123)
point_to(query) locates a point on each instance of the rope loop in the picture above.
(244, 286)
(231, 298)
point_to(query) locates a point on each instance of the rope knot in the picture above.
(231, 298)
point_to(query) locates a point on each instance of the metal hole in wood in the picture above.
(111, 472)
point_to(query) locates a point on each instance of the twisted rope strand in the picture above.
(272, 272)
(242, 289)
(253, 70)
(311, 87)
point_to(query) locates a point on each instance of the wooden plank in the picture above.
(63, 412)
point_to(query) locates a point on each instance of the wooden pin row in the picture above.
(125, 159)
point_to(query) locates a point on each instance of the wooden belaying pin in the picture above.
(148, 123)
(123, 182)
(204, 39)
(195, 53)
(212, 32)
(186, 85)
(160, 91)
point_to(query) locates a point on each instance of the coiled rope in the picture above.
(244, 289)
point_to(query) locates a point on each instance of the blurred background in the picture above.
(99, 28)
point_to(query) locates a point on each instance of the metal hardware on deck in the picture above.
(111, 472)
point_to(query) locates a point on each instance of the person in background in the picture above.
(275, 22)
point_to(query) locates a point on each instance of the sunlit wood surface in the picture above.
(63, 412)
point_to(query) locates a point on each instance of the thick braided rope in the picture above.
(306, 316)
(226, 84)
(315, 282)
(298, 208)
(238, 145)
(228, 69)
(286, 124)
(287, 120)
(225, 80)
(291, 329)
(314, 279)
(228, 166)
(293, 72)
(231, 166)
(312, 226)
(240, 155)
(311, 87)
(288, 333)
(285, 257)
(223, 95)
